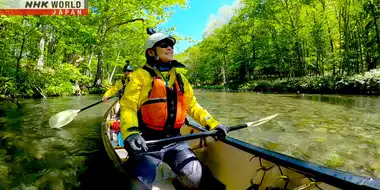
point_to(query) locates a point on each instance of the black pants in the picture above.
(191, 174)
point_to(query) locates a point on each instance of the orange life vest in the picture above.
(166, 108)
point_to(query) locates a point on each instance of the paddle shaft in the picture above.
(92, 105)
(180, 138)
(237, 127)
(207, 133)
(191, 136)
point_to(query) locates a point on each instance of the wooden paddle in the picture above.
(65, 117)
(208, 133)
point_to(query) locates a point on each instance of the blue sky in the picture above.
(193, 21)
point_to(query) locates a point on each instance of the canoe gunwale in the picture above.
(330, 176)
(107, 144)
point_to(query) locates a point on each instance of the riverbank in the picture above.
(11, 89)
(365, 84)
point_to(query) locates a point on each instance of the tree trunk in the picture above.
(300, 60)
(278, 51)
(361, 52)
(323, 66)
(99, 70)
(339, 18)
(298, 43)
(323, 2)
(25, 35)
(224, 75)
(332, 51)
(253, 61)
(88, 73)
(223, 66)
(20, 56)
(357, 51)
(3, 59)
(317, 65)
(112, 73)
(376, 27)
(40, 62)
(114, 68)
(346, 33)
(103, 29)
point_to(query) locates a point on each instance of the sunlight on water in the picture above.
(341, 132)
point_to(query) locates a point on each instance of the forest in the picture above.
(312, 46)
(45, 56)
(315, 46)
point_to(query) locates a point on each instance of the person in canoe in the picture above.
(154, 106)
(119, 86)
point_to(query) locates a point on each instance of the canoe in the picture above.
(240, 165)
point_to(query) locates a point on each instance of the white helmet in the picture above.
(156, 37)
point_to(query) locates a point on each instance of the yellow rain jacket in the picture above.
(116, 88)
(136, 93)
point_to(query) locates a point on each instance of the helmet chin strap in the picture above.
(155, 62)
(156, 57)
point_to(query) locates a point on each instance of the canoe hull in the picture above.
(238, 169)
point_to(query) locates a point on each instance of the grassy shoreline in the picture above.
(365, 84)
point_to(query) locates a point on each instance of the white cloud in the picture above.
(225, 13)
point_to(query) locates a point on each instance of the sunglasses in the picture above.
(165, 45)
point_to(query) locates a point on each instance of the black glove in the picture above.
(222, 131)
(135, 143)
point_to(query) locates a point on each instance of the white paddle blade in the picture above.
(62, 118)
(261, 121)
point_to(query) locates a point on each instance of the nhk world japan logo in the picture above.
(44, 7)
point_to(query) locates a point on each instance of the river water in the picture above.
(341, 132)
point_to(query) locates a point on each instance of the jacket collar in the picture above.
(172, 64)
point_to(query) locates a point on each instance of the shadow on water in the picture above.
(335, 100)
(101, 174)
(34, 156)
(349, 101)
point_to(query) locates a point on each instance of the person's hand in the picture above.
(135, 143)
(222, 131)
(104, 99)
